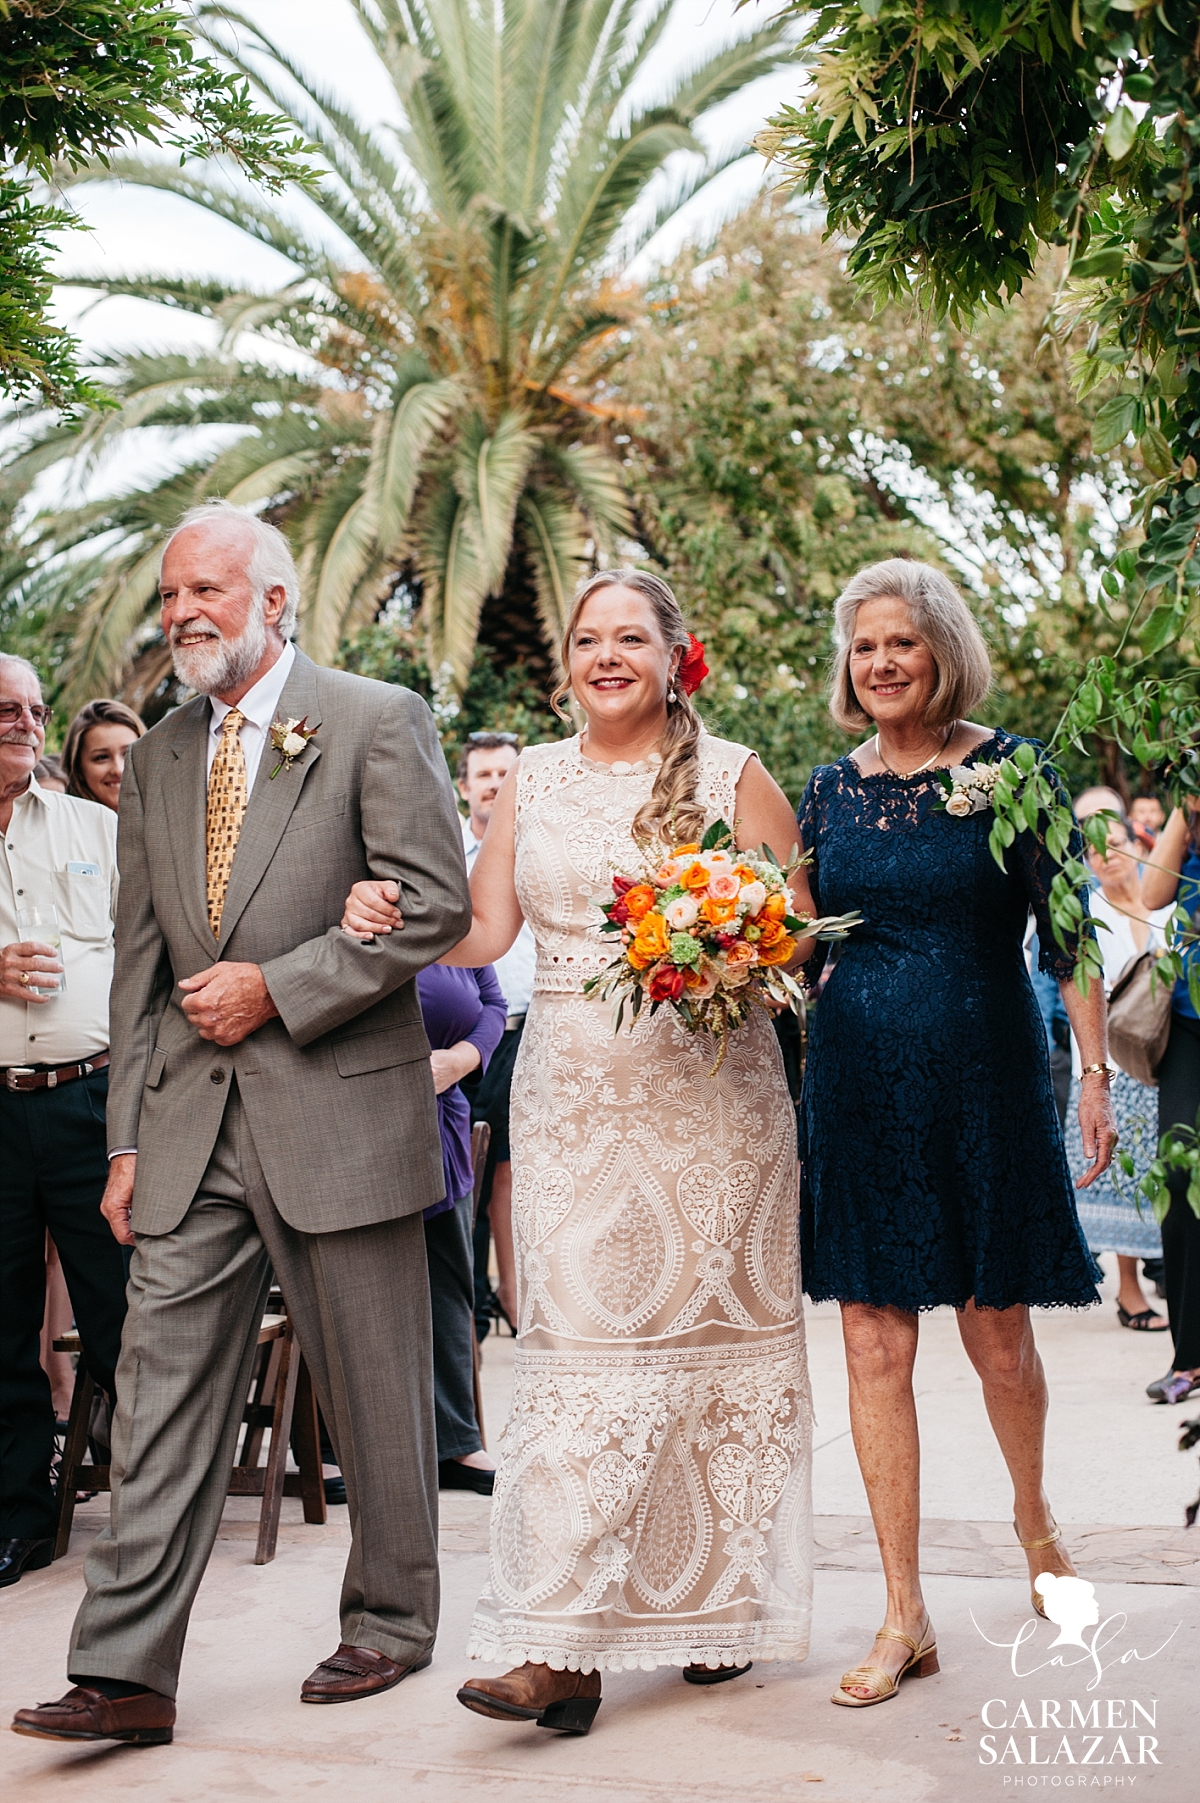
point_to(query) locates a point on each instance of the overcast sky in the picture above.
(135, 231)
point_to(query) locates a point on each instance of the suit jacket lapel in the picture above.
(185, 792)
(272, 798)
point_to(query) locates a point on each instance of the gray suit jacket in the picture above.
(337, 1091)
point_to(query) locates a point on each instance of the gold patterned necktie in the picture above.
(226, 811)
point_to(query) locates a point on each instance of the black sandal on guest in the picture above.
(703, 1674)
(1141, 1321)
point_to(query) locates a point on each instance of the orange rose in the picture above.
(779, 953)
(652, 940)
(775, 907)
(685, 851)
(639, 900)
(744, 874)
(717, 912)
(694, 877)
(770, 932)
(740, 953)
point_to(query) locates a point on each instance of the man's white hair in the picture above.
(271, 563)
(22, 663)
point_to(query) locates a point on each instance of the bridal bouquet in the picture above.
(709, 932)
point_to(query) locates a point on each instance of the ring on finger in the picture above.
(23, 979)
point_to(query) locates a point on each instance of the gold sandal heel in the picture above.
(923, 1664)
(1037, 1546)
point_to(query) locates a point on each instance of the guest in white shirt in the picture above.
(1108, 1212)
(53, 1060)
(486, 760)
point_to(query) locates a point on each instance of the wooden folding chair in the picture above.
(481, 1135)
(281, 1397)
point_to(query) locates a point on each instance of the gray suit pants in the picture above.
(360, 1302)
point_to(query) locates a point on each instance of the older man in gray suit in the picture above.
(271, 1105)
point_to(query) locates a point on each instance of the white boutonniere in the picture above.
(969, 788)
(289, 737)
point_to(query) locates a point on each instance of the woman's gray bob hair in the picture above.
(944, 621)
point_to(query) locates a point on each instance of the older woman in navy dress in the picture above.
(934, 1170)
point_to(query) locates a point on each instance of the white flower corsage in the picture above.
(969, 788)
(289, 737)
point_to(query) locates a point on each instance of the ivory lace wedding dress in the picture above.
(652, 1505)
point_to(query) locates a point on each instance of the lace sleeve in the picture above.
(1038, 870)
(808, 823)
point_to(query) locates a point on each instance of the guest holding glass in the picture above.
(93, 755)
(934, 1170)
(1109, 1213)
(464, 1012)
(1173, 877)
(58, 857)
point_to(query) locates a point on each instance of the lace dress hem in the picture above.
(731, 1649)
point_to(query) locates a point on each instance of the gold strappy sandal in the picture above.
(1037, 1546)
(923, 1664)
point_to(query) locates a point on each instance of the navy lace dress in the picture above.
(934, 1168)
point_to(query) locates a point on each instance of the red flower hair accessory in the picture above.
(692, 667)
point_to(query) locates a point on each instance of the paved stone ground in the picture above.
(770, 1736)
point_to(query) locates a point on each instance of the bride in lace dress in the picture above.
(652, 1502)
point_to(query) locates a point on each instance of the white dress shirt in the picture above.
(260, 705)
(61, 849)
(514, 971)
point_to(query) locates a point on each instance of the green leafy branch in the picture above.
(78, 82)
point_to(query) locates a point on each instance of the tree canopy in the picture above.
(446, 444)
(76, 83)
(781, 436)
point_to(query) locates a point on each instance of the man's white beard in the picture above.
(222, 664)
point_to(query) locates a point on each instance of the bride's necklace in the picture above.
(652, 761)
(933, 754)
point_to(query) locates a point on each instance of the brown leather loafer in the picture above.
(355, 1671)
(146, 1720)
(567, 1701)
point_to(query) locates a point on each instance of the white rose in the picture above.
(293, 745)
(681, 913)
(754, 897)
(959, 805)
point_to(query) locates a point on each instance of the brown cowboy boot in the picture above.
(567, 1701)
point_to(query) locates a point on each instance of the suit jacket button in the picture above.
(216, 1074)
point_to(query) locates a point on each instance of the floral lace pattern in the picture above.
(946, 1179)
(652, 1504)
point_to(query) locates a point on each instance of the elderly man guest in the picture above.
(272, 1106)
(54, 1050)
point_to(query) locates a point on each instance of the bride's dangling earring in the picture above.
(670, 695)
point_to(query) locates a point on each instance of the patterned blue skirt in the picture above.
(1108, 1211)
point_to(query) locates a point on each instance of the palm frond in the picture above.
(554, 534)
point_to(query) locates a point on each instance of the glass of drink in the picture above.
(39, 922)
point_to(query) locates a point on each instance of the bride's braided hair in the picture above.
(672, 813)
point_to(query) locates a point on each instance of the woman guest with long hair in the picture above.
(934, 1170)
(93, 753)
(652, 1496)
(1173, 876)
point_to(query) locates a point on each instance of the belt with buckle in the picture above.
(25, 1077)
(513, 1021)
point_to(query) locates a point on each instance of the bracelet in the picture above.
(1098, 1070)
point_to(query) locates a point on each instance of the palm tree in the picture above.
(446, 440)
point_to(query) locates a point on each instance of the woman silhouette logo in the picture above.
(1071, 1605)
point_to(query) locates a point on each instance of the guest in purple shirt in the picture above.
(464, 1013)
